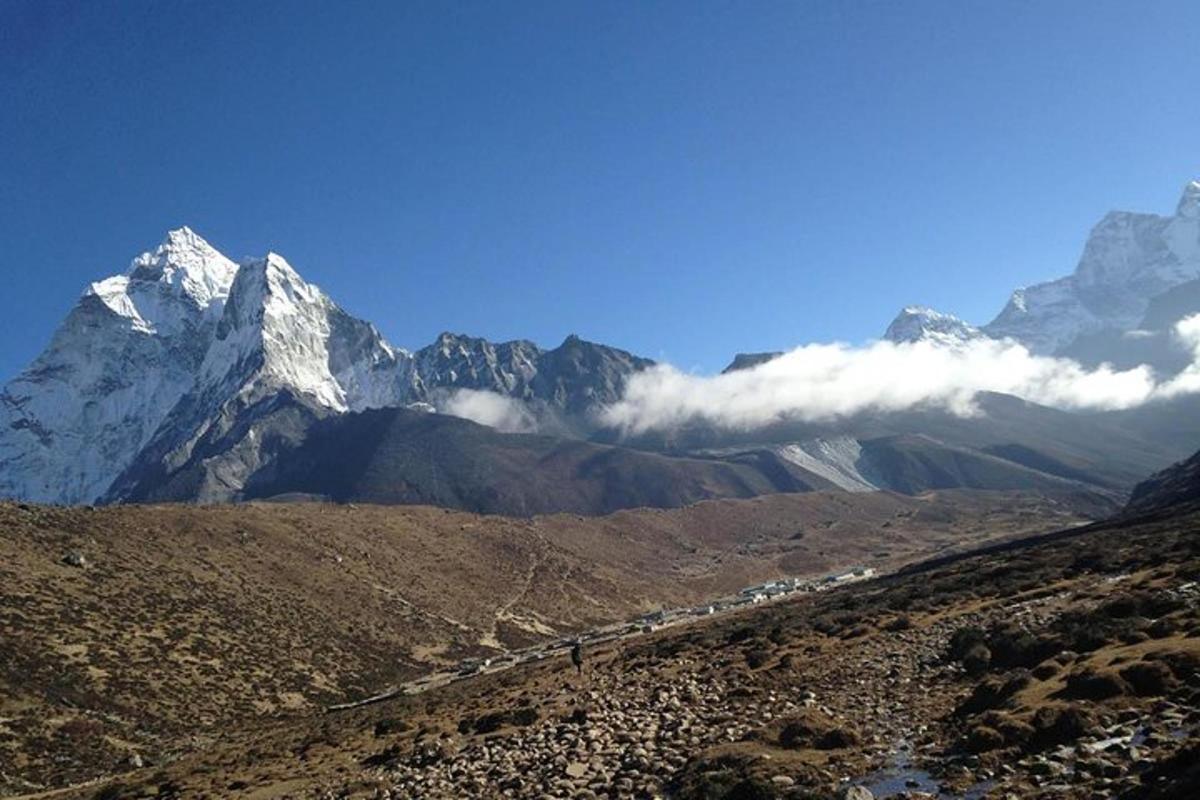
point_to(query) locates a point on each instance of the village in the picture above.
(645, 624)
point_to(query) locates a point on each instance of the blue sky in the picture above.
(684, 180)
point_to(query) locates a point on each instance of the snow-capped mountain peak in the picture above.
(189, 370)
(1129, 258)
(115, 367)
(1189, 203)
(919, 323)
(184, 260)
(282, 332)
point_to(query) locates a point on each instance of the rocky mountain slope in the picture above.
(1177, 485)
(396, 456)
(930, 448)
(158, 630)
(1060, 667)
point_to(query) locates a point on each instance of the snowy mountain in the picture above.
(918, 323)
(120, 362)
(1129, 260)
(192, 370)
(187, 374)
(282, 355)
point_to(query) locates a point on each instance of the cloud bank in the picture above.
(498, 411)
(821, 382)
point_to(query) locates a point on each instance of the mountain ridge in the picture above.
(188, 370)
(1129, 259)
(165, 358)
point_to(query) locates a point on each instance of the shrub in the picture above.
(1012, 647)
(963, 640)
(983, 739)
(1150, 679)
(740, 635)
(1057, 726)
(390, 725)
(977, 659)
(1091, 685)
(1045, 670)
(757, 657)
(816, 731)
(836, 739)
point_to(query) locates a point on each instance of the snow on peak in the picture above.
(1189, 202)
(919, 323)
(1128, 259)
(114, 369)
(187, 262)
(299, 339)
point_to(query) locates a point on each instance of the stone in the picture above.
(855, 793)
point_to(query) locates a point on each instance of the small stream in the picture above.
(901, 776)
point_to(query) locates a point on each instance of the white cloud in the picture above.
(503, 413)
(1187, 330)
(825, 381)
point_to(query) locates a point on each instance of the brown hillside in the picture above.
(186, 620)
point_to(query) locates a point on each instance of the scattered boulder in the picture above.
(75, 559)
(855, 793)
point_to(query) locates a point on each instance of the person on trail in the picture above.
(577, 657)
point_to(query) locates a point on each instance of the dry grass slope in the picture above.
(190, 622)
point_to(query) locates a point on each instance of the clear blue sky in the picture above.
(684, 180)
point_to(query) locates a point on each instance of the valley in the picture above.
(1063, 665)
(156, 631)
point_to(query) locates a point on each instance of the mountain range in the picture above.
(1138, 275)
(194, 378)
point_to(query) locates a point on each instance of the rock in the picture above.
(783, 781)
(855, 793)
(75, 559)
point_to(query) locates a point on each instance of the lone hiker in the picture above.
(577, 656)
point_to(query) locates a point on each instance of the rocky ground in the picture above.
(1068, 668)
(150, 632)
